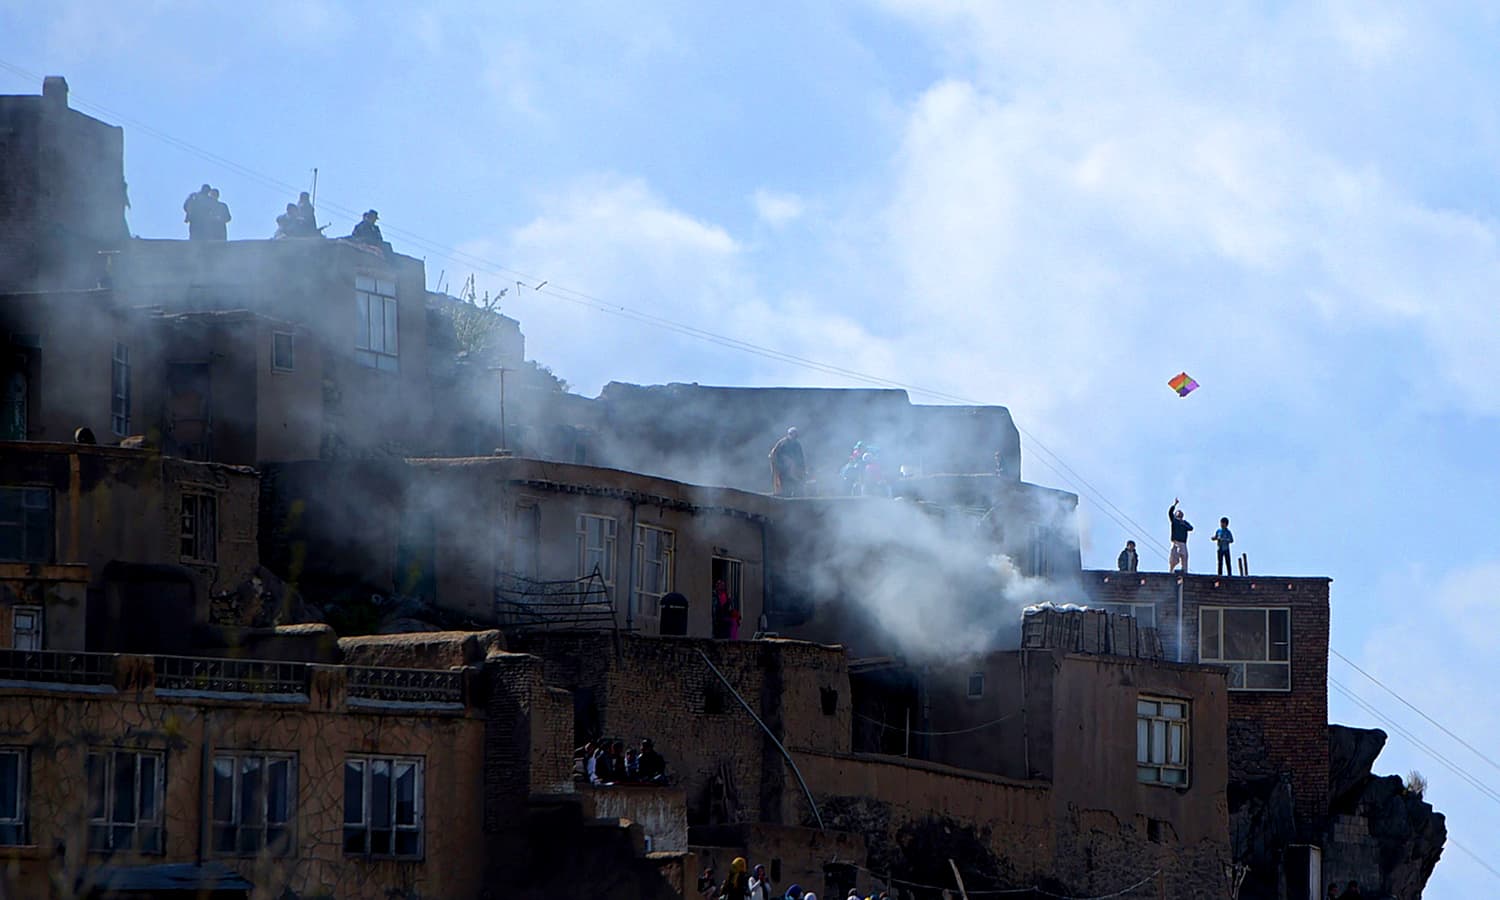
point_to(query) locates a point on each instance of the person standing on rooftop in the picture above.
(1180, 529)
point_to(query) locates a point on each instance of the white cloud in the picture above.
(777, 208)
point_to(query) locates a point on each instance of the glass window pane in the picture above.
(223, 789)
(252, 801)
(380, 793)
(362, 328)
(1145, 707)
(1268, 676)
(1236, 677)
(1208, 624)
(1142, 740)
(96, 777)
(406, 794)
(1174, 744)
(1279, 627)
(278, 790)
(1158, 740)
(391, 331)
(1173, 776)
(10, 785)
(149, 775)
(407, 843)
(354, 792)
(388, 288)
(1147, 773)
(1173, 710)
(122, 805)
(1245, 634)
(364, 283)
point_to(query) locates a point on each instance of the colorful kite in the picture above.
(1182, 384)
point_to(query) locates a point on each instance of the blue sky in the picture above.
(1051, 209)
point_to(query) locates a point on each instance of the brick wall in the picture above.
(1269, 731)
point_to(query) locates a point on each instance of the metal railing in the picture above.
(57, 667)
(425, 686)
(231, 676)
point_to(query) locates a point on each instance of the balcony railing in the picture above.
(57, 667)
(230, 676)
(418, 686)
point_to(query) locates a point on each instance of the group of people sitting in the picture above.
(744, 883)
(299, 220)
(606, 761)
(862, 474)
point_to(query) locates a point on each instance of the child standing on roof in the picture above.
(1224, 537)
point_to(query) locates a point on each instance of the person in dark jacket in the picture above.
(196, 212)
(367, 232)
(1180, 529)
(788, 466)
(650, 764)
(1129, 560)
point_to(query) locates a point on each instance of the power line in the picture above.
(1051, 459)
(1434, 722)
(1475, 856)
(1453, 767)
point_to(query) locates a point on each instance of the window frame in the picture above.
(975, 687)
(198, 501)
(384, 354)
(666, 562)
(290, 364)
(1038, 559)
(235, 826)
(1148, 769)
(119, 384)
(364, 824)
(1239, 671)
(607, 552)
(24, 521)
(38, 633)
(105, 824)
(14, 829)
(1129, 609)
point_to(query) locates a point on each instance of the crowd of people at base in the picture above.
(207, 218)
(745, 883)
(1177, 560)
(607, 762)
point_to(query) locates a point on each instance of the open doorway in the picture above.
(725, 575)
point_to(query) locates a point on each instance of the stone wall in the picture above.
(658, 809)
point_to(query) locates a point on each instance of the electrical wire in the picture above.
(1447, 763)
(1051, 460)
(903, 730)
(995, 892)
(1409, 705)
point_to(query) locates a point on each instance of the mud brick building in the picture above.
(99, 546)
(63, 195)
(1270, 634)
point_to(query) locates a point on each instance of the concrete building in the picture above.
(117, 549)
(62, 199)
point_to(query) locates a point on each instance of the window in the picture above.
(383, 806)
(25, 524)
(596, 546)
(375, 342)
(1161, 741)
(1256, 645)
(976, 685)
(13, 784)
(125, 797)
(119, 379)
(13, 407)
(283, 358)
(1039, 565)
(26, 628)
(200, 528)
(526, 549)
(726, 577)
(653, 567)
(1143, 613)
(253, 797)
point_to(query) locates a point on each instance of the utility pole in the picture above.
(504, 435)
